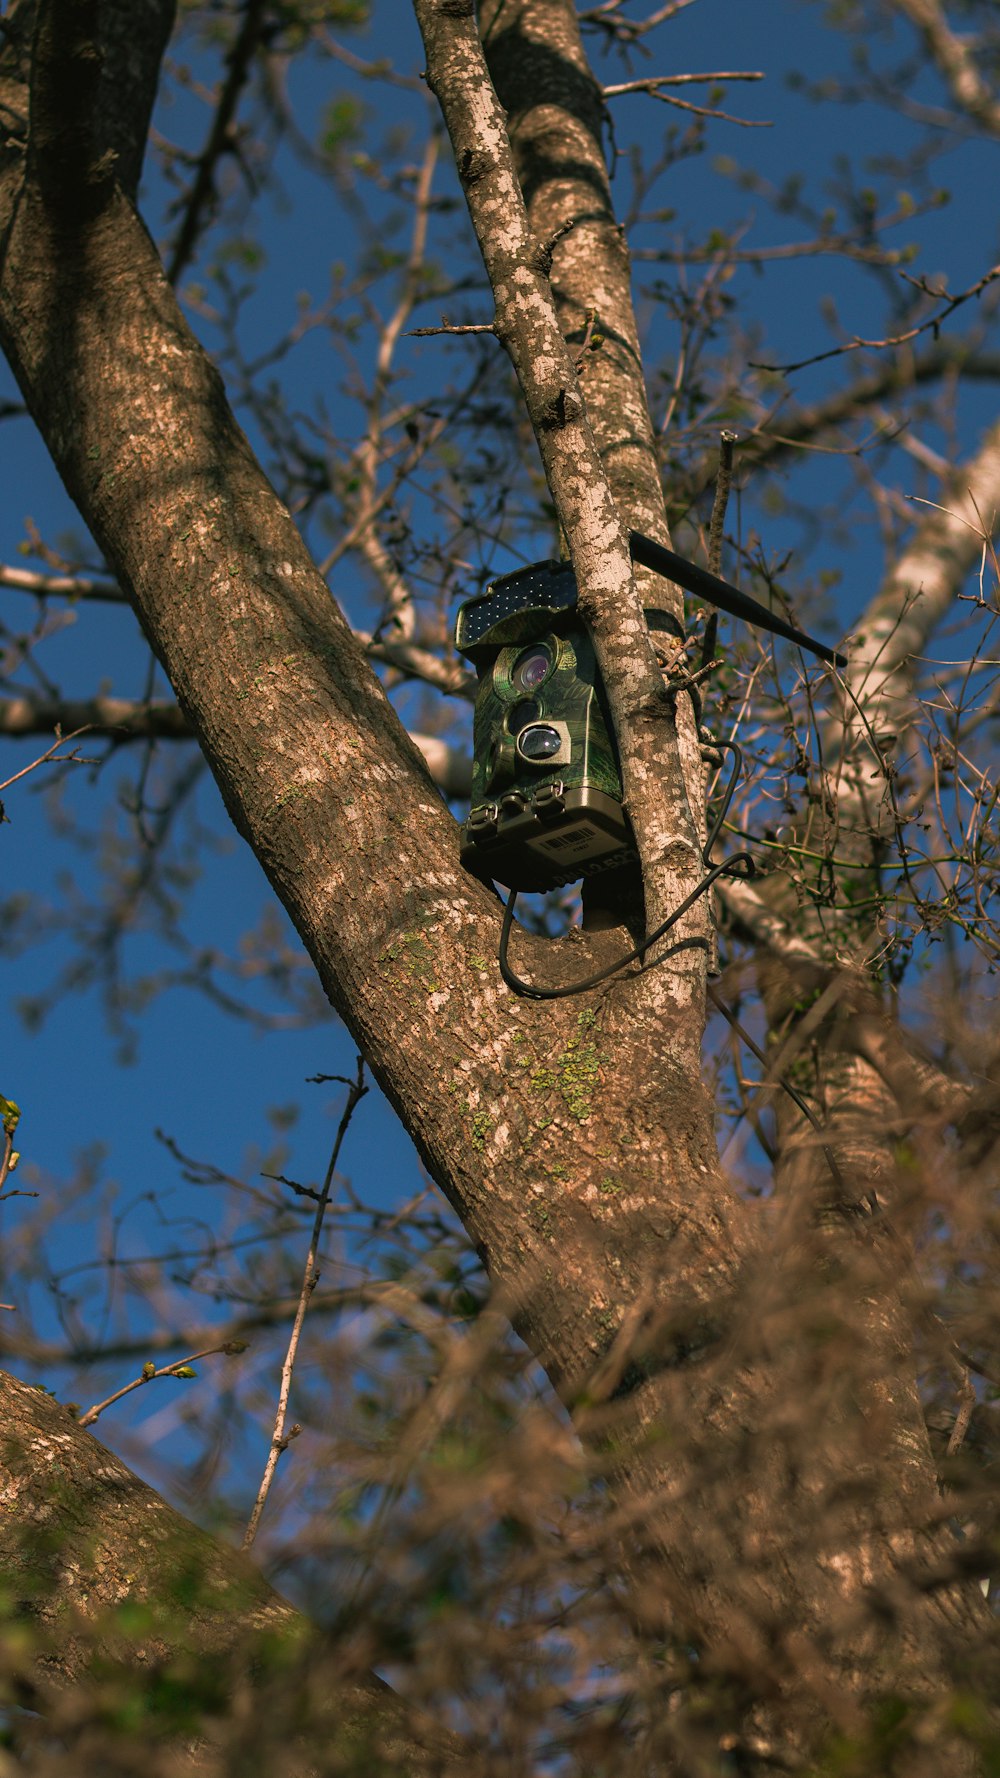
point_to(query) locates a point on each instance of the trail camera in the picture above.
(546, 789)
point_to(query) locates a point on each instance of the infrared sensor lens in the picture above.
(524, 711)
(539, 742)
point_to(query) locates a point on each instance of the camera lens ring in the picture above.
(532, 667)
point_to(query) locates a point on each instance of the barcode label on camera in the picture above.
(580, 840)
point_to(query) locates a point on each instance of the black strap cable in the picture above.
(738, 864)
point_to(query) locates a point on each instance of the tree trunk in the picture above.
(739, 1374)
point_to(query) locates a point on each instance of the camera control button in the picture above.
(482, 822)
(550, 800)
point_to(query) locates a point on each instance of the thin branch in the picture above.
(625, 30)
(651, 89)
(279, 1438)
(857, 344)
(657, 80)
(369, 455)
(220, 139)
(380, 70)
(150, 1373)
(723, 483)
(422, 333)
(124, 720)
(801, 425)
(51, 753)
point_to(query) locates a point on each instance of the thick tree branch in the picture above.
(86, 1543)
(61, 586)
(408, 658)
(127, 719)
(68, 169)
(556, 120)
(123, 719)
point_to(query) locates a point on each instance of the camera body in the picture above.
(546, 787)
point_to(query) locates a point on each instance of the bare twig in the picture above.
(150, 1372)
(356, 1091)
(421, 333)
(651, 89)
(655, 80)
(966, 1404)
(51, 753)
(858, 344)
(606, 17)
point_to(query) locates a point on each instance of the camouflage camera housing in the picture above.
(546, 788)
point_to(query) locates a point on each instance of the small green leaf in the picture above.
(148, 1370)
(11, 1115)
(184, 1370)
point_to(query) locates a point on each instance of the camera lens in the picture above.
(524, 711)
(539, 742)
(530, 668)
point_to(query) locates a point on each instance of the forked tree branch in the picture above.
(915, 596)
(954, 55)
(322, 782)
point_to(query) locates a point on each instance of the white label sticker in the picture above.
(581, 840)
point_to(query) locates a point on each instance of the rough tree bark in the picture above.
(574, 1139)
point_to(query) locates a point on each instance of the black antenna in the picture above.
(719, 592)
